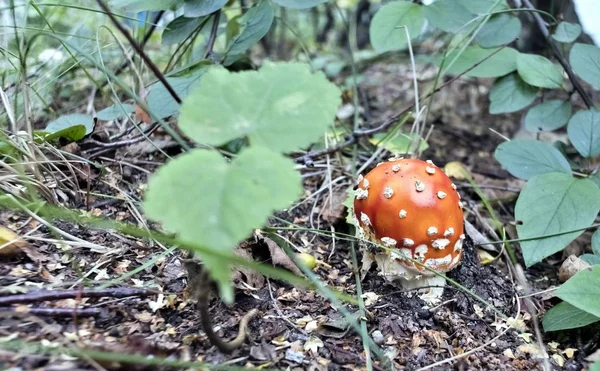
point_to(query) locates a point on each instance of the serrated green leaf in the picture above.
(299, 4)
(283, 106)
(596, 242)
(591, 259)
(548, 116)
(501, 63)
(401, 143)
(142, 5)
(116, 111)
(386, 31)
(216, 204)
(585, 61)
(160, 100)
(501, 29)
(583, 290)
(483, 6)
(525, 158)
(584, 132)
(180, 29)
(564, 316)
(539, 71)
(511, 94)
(254, 25)
(447, 15)
(68, 121)
(554, 203)
(567, 32)
(200, 8)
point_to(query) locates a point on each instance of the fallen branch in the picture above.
(53, 312)
(45, 295)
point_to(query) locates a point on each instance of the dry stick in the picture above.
(44, 295)
(203, 298)
(213, 34)
(53, 312)
(308, 157)
(159, 75)
(558, 55)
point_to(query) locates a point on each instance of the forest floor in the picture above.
(296, 329)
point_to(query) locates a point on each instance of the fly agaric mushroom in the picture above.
(412, 208)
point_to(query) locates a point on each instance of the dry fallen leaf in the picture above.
(11, 244)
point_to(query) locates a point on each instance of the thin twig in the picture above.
(213, 34)
(558, 55)
(159, 75)
(45, 295)
(53, 312)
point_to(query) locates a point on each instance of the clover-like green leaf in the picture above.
(584, 132)
(554, 203)
(567, 32)
(583, 290)
(548, 116)
(585, 60)
(539, 71)
(501, 29)
(282, 106)
(511, 94)
(525, 158)
(447, 15)
(488, 62)
(564, 316)
(216, 204)
(386, 29)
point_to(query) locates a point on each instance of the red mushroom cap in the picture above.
(412, 207)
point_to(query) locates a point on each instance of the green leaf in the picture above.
(74, 133)
(548, 116)
(567, 32)
(501, 63)
(200, 8)
(254, 25)
(596, 242)
(213, 203)
(539, 71)
(564, 316)
(180, 29)
(583, 290)
(400, 143)
(585, 61)
(483, 6)
(526, 158)
(385, 30)
(591, 259)
(160, 100)
(584, 132)
(511, 94)
(68, 121)
(595, 366)
(283, 106)
(116, 111)
(554, 203)
(447, 15)
(501, 29)
(142, 5)
(299, 4)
